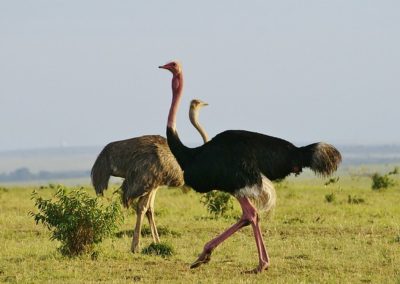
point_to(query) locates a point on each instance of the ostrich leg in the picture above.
(142, 206)
(150, 216)
(263, 258)
(249, 216)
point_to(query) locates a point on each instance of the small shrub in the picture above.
(381, 182)
(331, 197)
(385, 181)
(53, 186)
(160, 249)
(77, 220)
(394, 172)
(355, 200)
(218, 203)
(3, 189)
(332, 180)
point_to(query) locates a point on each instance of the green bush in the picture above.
(161, 249)
(331, 197)
(383, 181)
(77, 220)
(217, 202)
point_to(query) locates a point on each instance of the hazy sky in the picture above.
(85, 72)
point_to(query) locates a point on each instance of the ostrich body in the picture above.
(243, 164)
(145, 163)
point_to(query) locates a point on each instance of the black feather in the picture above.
(236, 158)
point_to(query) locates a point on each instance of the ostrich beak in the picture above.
(163, 67)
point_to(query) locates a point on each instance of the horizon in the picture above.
(82, 158)
(189, 144)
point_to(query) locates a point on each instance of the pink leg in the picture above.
(250, 211)
(211, 245)
(249, 216)
(263, 259)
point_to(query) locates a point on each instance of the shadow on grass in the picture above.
(298, 256)
(146, 232)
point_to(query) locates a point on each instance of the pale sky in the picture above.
(78, 73)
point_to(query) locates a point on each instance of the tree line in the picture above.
(24, 174)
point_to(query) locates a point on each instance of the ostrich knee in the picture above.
(141, 209)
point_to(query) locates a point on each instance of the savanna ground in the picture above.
(355, 238)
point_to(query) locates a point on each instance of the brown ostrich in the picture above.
(146, 163)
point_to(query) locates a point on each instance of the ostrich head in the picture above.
(196, 104)
(174, 66)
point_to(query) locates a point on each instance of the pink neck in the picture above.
(177, 87)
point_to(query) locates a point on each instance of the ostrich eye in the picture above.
(174, 64)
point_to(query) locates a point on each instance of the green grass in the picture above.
(309, 240)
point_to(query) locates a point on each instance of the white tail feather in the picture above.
(263, 197)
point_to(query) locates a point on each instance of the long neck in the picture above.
(180, 151)
(177, 88)
(194, 119)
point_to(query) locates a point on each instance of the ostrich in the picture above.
(146, 163)
(243, 164)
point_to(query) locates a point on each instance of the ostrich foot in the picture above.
(135, 248)
(260, 268)
(204, 258)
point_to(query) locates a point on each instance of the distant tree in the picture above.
(24, 174)
(21, 174)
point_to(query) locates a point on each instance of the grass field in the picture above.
(309, 239)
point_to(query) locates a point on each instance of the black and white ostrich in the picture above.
(243, 164)
(146, 163)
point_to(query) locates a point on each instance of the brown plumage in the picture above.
(145, 163)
